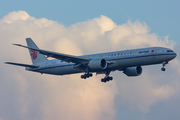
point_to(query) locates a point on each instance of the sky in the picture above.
(160, 15)
(87, 27)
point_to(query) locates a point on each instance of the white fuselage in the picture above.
(119, 60)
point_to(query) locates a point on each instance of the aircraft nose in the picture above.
(175, 55)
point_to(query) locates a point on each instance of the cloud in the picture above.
(15, 16)
(27, 95)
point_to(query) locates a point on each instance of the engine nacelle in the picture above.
(97, 64)
(133, 71)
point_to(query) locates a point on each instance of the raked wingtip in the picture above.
(17, 44)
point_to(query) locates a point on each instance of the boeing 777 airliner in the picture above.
(128, 61)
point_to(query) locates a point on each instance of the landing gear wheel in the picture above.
(110, 78)
(90, 75)
(163, 69)
(82, 76)
(106, 79)
(103, 80)
(164, 64)
(86, 76)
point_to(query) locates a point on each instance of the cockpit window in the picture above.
(169, 51)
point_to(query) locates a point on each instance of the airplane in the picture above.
(128, 61)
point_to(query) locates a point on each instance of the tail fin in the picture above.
(36, 57)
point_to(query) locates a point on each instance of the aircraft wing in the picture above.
(23, 65)
(60, 56)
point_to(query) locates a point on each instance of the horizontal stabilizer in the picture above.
(23, 65)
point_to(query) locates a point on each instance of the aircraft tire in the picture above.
(103, 80)
(163, 69)
(110, 78)
(83, 77)
(90, 75)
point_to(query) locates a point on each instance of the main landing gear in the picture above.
(107, 77)
(87, 75)
(164, 64)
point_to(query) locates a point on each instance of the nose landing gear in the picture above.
(163, 69)
(164, 64)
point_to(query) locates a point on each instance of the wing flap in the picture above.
(23, 65)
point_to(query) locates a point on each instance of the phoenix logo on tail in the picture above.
(33, 54)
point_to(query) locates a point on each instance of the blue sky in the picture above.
(162, 16)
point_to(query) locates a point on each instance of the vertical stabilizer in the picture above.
(36, 57)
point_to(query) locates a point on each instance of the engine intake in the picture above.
(97, 64)
(133, 71)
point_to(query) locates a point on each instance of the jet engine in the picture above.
(97, 64)
(133, 71)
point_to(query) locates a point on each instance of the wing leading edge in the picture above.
(23, 65)
(60, 56)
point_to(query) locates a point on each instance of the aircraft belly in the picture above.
(137, 61)
(149, 60)
(67, 70)
(60, 70)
